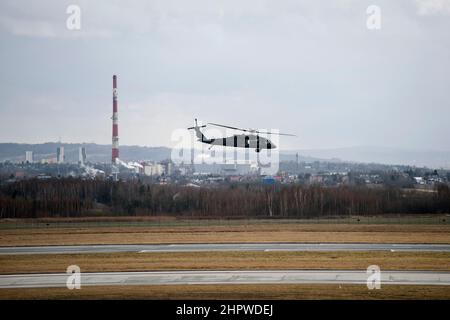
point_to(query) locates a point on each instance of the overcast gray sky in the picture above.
(307, 67)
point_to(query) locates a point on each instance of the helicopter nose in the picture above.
(272, 145)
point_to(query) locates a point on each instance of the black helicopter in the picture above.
(250, 140)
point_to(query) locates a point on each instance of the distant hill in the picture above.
(102, 153)
(383, 155)
(95, 152)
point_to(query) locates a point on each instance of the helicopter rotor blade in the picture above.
(278, 134)
(229, 127)
(251, 130)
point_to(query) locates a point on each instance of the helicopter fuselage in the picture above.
(248, 141)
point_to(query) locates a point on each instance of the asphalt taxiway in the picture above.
(224, 247)
(226, 277)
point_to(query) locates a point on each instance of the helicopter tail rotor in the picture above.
(201, 137)
(196, 126)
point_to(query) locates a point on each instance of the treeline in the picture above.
(74, 197)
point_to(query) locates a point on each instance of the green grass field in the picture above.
(170, 221)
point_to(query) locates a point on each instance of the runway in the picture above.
(226, 277)
(225, 247)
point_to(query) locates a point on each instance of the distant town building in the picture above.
(48, 160)
(225, 169)
(20, 174)
(169, 170)
(268, 180)
(60, 154)
(154, 169)
(29, 156)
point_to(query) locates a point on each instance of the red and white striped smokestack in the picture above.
(115, 124)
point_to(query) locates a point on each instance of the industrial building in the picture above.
(82, 156)
(29, 156)
(60, 155)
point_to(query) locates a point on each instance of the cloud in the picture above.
(47, 19)
(21, 27)
(307, 67)
(105, 18)
(432, 7)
